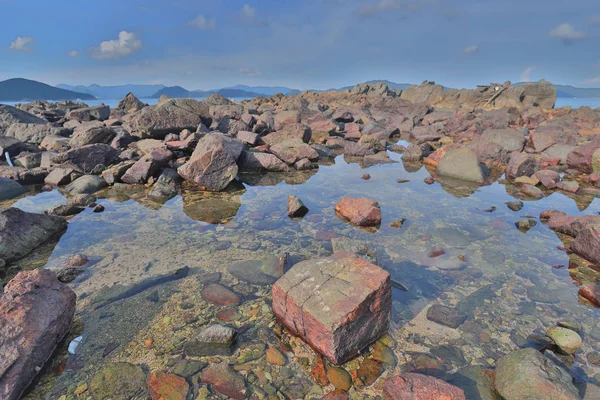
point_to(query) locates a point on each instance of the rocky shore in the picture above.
(332, 315)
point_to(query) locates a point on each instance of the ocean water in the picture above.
(113, 102)
(576, 103)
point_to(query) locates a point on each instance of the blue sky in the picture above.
(302, 44)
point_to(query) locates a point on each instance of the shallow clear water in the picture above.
(508, 285)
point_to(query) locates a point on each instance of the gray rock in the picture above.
(296, 207)
(211, 341)
(34, 133)
(446, 316)
(257, 272)
(86, 158)
(64, 210)
(521, 165)
(515, 205)
(96, 113)
(10, 189)
(93, 135)
(461, 164)
(59, 176)
(86, 184)
(130, 104)
(21, 232)
(253, 160)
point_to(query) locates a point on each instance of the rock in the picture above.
(120, 380)
(64, 210)
(477, 382)
(10, 189)
(28, 160)
(219, 295)
(347, 245)
(461, 164)
(21, 232)
(130, 104)
(36, 312)
(86, 158)
(291, 152)
(568, 186)
(225, 381)
(252, 160)
(12, 146)
(211, 341)
(68, 274)
(587, 243)
(249, 138)
(591, 292)
(286, 118)
(567, 340)
(167, 386)
(59, 177)
(296, 208)
(411, 386)
(596, 162)
(337, 394)
(446, 316)
(23, 176)
(148, 166)
(525, 225)
(94, 135)
(167, 185)
(10, 115)
(296, 133)
(339, 378)
(344, 306)
(275, 357)
(547, 178)
(515, 205)
(304, 164)
(521, 165)
(257, 272)
(170, 116)
(361, 211)
(34, 133)
(368, 372)
(528, 374)
(359, 149)
(96, 113)
(532, 191)
(87, 184)
(213, 162)
(581, 158)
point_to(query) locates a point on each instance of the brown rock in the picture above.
(296, 207)
(219, 295)
(411, 386)
(587, 244)
(36, 312)
(591, 292)
(340, 310)
(167, 386)
(361, 211)
(581, 158)
(224, 380)
(521, 164)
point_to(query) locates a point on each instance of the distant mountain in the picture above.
(582, 93)
(264, 90)
(179, 92)
(390, 84)
(19, 89)
(115, 92)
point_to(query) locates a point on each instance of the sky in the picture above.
(307, 44)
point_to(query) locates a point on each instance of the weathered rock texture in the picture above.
(339, 304)
(36, 312)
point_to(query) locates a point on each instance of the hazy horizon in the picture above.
(314, 44)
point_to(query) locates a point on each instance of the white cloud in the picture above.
(526, 75)
(594, 20)
(73, 53)
(592, 81)
(201, 22)
(471, 49)
(567, 33)
(248, 11)
(126, 44)
(21, 43)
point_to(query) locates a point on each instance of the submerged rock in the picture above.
(211, 341)
(411, 386)
(21, 232)
(296, 207)
(567, 340)
(167, 386)
(591, 292)
(446, 316)
(257, 272)
(120, 380)
(225, 381)
(36, 312)
(528, 374)
(338, 304)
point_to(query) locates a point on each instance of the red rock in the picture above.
(36, 312)
(285, 118)
(226, 314)
(361, 212)
(319, 373)
(547, 214)
(429, 180)
(591, 292)
(521, 164)
(219, 295)
(248, 137)
(368, 372)
(167, 386)
(366, 177)
(581, 158)
(434, 158)
(77, 260)
(436, 252)
(293, 132)
(548, 178)
(587, 242)
(225, 380)
(413, 386)
(338, 304)
(338, 394)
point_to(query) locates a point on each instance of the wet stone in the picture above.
(515, 205)
(339, 378)
(225, 381)
(296, 207)
(276, 357)
(525, 225)
(167, 386)
(68, 274)
(119, 380)
(257, 272)
(384, 354)
(411, 386)
(446, 316)
(210, 341)
(567, 340)
(368, 372)
(477, 382)
(187, 368)
(219, 295)
(542, 295)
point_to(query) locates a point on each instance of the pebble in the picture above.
(339, 378)
(276, 357)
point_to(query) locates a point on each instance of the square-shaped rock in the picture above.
(338, 304)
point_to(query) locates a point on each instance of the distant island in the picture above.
(19, 89)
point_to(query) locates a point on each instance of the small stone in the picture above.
(567, 340)
(210, 341)
(275, 357)
(366, 177)
(339, 378)
(593, 357)
(225, 381)
(446, 316)
(167, 386)
(219, 295)
(78, 260)
(436, 252)
(429, 180)
(411, 386)
(296, 208)
(398, 223)
(118, 381)
(515, 205)
(360, 212)
(384, 354)
(68, 274)
(318, 372)
(98, 208)
(525, 225)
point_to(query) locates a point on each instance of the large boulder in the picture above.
(11, 115)
(96, 113)
(581, 157)
(286, 118)
(86, 184)
(254, 160)
(34, 133)
(292, 132)
(130, 104)
(213, 165)
(292, 151)
(147, 166)
(21, 232)
(338, 304)
(85, 159)
(426, 93)
(170, 116)
(461, 164)
(83, 137)
(528, 374)
(497, 144)
(36, 311)
(10, 189)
